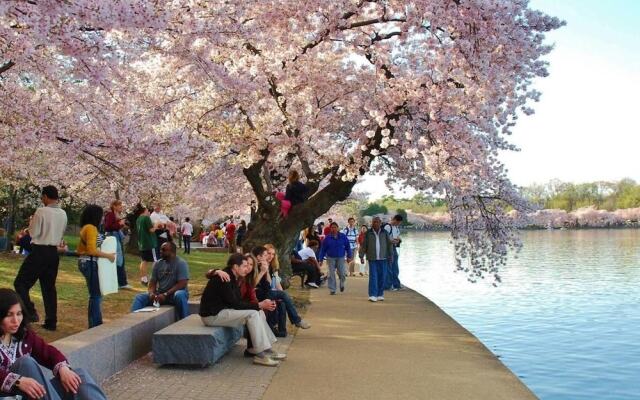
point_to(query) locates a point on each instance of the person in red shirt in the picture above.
(327, 228)
(231, 236)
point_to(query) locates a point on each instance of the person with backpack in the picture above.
(351, 232)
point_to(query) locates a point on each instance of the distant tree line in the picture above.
(572, 196)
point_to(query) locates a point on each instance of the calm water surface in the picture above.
(566, 318)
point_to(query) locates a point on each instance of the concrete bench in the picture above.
(189, 342)
(109, 348)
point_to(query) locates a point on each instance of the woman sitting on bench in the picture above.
(22, 352)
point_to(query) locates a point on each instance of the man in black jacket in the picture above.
(222, 305)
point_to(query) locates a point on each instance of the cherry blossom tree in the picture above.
(239, 93)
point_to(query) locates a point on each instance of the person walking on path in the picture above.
(89, 251)
(222, 305)
(351, 231)
(187, 231)
(335, 247)
(168, 284)
(393, 276)
(378, 249)
(113, 224)
(147, 242)
(47, 229)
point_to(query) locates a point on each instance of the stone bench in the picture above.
(109, 348)
(189, 342)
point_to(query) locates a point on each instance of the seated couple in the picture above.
(223, 305)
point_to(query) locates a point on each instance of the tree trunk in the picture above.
(271, 227)
(132, 246)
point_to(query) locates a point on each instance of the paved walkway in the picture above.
(232, 377)
(402, 348)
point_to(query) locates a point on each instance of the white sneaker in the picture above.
(380, 298)
(373, 299)
(303, 324)
(312, 284)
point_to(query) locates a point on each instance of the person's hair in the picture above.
(294, 176)
(91, 215)
(312, 243)
(275, 264)
(8, 299)
(51, 192)
(174, 249)
(351, 219)
(256, 251)
(330, 220)
(398, 217)
(171, 219)
(242, 222)
(115, 204)
(376, 219)
(363, 226)
(139, 209)
(235, 259)
(187, 219)
(253, 276)
(334, 223)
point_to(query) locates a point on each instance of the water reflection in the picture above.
(565, 317)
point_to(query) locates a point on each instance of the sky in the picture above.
(584, 127)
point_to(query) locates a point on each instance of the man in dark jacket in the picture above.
(222, 305)
(378, 248)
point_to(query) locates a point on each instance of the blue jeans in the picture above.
(339, 264)
(288, 303)
(28, 367)
(377, 273)
(393, 274)
(122, 273)
(180, 299)
(89, 269)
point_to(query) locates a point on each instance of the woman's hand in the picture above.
(264, 267)
(268, 305)
(69, 379)
(31, 388)
(111, 256)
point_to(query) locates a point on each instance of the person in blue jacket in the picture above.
(335, 247)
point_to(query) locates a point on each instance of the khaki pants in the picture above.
(261, 335)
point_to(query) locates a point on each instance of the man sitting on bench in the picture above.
(168, 284)
(222, 305)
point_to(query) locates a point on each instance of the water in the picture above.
(566, 317)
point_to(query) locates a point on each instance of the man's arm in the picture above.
(181, 284)
(35, 227)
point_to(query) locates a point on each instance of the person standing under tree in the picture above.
(147, 242)
(47, 229)
(113, 224)
(89, 251)
(187, 231)
(231, 236)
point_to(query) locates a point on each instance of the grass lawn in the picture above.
(73, 295)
